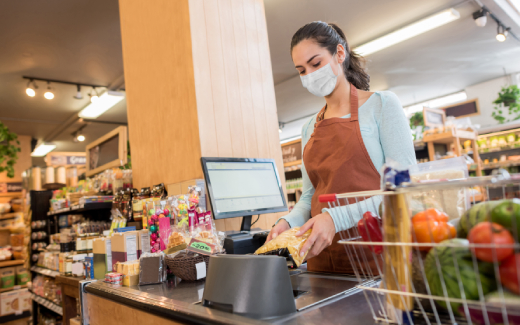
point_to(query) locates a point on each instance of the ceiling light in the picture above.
(49, 94)
(93, 95)
(408, 32)
(102, 104)
(501, 33)
(42, 149)
(480, 17)
(280, 126)
(81, 138)
(78, 93)
(31, 89)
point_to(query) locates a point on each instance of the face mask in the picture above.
(320, 82)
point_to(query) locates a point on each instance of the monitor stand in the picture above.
(245, 228)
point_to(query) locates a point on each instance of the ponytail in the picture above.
(329, 36)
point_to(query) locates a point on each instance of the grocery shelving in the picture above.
(11, 263)
(79, 208)
(14, 288)
(44, 271)
(13, 317)
(47, 304)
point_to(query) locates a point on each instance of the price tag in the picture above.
(201, 247)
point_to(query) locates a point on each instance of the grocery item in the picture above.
(456, 275)
(7, 277)
(507, 214)
(152, 268)
(508, 271)
(370, 229)
(491, 233)
(431, 226)
(477, 213)
(22, 275)
(287, 245)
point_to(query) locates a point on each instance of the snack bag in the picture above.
(182, 211)
(286, 245)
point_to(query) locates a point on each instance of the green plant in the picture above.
(508, 97)
(8, 151)
(416, 120)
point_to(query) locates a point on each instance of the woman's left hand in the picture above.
(323, 231)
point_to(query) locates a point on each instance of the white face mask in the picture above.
(320, 82)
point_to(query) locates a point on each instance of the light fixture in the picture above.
(480, 17)
(93, 95)
(501, 33)
(106, 101)
(280, 126)
(81, 138)
(49, 94)
(31, 89)
(78, 93)
(408, 32)
(42, 149)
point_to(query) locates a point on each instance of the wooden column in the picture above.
(199, 83)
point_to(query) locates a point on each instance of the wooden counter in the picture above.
(69, 296)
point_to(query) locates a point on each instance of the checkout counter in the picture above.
(320, 299)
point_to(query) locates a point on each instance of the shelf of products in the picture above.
(82, 208)
(44, 271)
(48, 304)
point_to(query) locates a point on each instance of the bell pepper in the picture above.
(370, 229)
(431, 226)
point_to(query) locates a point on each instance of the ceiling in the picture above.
(79, 41)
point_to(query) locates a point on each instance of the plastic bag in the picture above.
(286, 245)
(453, 202)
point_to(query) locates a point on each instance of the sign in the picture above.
(68, 160)
(292, 152)
(125, 229)
(201, 247)
(10, 187)
(467, 108)
(434, 117)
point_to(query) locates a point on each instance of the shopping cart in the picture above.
(435, 281)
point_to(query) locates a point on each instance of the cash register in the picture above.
(243, 187)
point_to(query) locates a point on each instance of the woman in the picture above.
(345, 144)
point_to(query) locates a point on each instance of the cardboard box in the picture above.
(22, 275)
(124, 247)
(7, 277)
(102, 249)
(143, 242)
(14, 302)
(131, 280)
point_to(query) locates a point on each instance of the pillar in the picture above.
(199, 84)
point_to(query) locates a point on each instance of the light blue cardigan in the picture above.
(386, 135)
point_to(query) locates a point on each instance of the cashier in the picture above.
(345, 144)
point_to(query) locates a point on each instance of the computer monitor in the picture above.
(243, 187)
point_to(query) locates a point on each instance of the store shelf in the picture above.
(47, 304)
(499, 150)
(11, 263)
(79, 208)
(12, 215)
(44, 271)
(503, 164)
(14, 288)
(293, 190)
(13, 317)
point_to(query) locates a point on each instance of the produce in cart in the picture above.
(431, 226)
(491, 233)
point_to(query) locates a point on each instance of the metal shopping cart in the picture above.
(419, 273)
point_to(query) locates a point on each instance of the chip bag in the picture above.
(287, 245)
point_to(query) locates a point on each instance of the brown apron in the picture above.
(337, 162)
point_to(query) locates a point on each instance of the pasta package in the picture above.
(286, 245)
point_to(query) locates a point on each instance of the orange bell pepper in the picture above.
(431, 226)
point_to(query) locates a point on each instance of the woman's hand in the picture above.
(323, 231)
(280, 227)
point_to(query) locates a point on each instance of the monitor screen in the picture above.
(241, 187)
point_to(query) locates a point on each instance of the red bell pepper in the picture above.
(370, 229)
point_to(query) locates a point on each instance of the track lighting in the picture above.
(480, 17)
(81, 137)
(93, 95)
(78, 93)
(31, 89)
(48, 94)
(502, 33)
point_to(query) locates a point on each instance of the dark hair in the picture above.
(329, 36)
